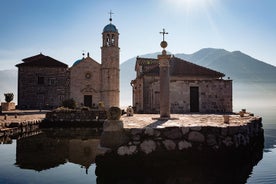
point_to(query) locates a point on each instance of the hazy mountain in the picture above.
(235, 65)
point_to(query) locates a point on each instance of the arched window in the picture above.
(112, 40)
(108, 40)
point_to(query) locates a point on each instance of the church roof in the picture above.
(178, 67)
(78, 61)
(110, 28)
(41, 60)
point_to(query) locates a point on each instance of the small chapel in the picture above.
(44, 82)
(172, 85)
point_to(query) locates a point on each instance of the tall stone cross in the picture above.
(164, 75)
(164, 32)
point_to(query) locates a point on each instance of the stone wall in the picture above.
(7, 106)
(42, 87)
(184, 139)
(74, 118)
(215, 95)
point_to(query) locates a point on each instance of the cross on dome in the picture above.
(110, 16)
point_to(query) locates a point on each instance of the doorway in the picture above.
(194, 99)
(87, 100)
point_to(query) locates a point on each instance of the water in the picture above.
(69, 157)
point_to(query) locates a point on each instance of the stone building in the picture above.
(92, 82)
(44, 81)
(193, 88)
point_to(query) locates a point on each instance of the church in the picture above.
(44, 82)
(193, 88)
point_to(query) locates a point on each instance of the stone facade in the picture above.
(46, 82)
(43, 82)
(192, 88)
(85, 81)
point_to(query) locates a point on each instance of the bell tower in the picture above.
(110, 67)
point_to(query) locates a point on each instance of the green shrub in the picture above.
(8, 97)
(69, 103)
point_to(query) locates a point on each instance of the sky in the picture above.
(64, 29)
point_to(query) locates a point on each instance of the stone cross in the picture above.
(164, 32)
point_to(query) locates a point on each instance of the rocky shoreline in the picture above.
(167, 143)
(19, 123)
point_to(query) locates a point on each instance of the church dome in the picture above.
(110, 28)
(77, 62)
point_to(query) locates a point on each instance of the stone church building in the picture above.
(45, 82)
(193, 88)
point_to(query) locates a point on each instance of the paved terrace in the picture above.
(182, 120)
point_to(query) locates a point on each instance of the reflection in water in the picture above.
(193, 171)
(55, 147)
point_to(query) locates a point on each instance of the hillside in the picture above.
(236, 65)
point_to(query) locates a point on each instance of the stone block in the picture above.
(211, 140)
(7, 106)
(184, 145)
(185, 130)
(196, 128)
(127, 150)
(196, 137)
(135, 131)
(113, 139)
(172, 133)
(148, 146)
(169, 144)
(113, 125)
(149, 131)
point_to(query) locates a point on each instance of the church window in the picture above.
(88, 75)
(40, 80)
(51, 81)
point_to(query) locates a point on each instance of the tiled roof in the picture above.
(178, 67)
(32, 58)
(41, 61)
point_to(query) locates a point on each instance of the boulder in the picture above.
(196, 137)
(148, 146)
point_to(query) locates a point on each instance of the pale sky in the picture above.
(63, 29)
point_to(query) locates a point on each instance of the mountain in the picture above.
(236, 65)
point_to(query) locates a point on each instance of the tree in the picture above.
(69, 103)
(8, 97)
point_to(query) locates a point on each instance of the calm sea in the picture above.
(69, 157)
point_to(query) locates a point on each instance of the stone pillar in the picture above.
(113, 134)
(164, 74)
